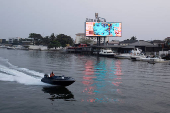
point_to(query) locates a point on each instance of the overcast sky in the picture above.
(145, 19)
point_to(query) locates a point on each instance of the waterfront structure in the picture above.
(158, 42)
(114, 42)
(146, 47)
(79, 36)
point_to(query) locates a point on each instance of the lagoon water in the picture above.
(103, 85)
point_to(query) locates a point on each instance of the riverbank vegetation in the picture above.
(52, 40)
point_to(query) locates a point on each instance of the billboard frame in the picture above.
(104, 36)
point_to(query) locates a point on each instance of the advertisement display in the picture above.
(113, 29)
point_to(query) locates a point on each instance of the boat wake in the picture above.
(9, 72)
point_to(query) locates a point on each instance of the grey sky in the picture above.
(145, 19)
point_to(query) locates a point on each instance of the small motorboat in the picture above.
(107, 52)
(58, 80)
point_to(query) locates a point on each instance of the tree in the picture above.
(167, 42)
(52, 37)
(85, 41)
(133, 38)
(36, 38)
(64, 40)
(45, 40)
(55, 44)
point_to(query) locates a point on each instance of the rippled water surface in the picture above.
(103, 85)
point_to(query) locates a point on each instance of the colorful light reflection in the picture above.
(98, 77)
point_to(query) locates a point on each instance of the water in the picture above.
(103, 85)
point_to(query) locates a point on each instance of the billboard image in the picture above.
(113, 29)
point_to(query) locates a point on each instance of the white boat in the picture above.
(10, 47)
(107, 52)
(137, 55)
(160, 60)
(128, 55)
(3, 46)
(18, 47)
(146, 59)
(123, 56)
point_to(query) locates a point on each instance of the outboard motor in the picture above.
(45, 76)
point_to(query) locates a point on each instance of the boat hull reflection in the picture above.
(58, 92)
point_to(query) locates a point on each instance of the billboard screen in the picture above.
(113, 29)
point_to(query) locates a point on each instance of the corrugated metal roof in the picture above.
(129, 47)
(128, 41)
(141, 43)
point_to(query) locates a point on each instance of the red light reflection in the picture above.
(116, 83)
(118, 68)
(89, 69)
(89, 90)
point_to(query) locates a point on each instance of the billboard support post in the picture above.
(99, 41)
(104, 40)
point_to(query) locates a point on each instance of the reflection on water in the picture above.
(102, 77)
(58, 92)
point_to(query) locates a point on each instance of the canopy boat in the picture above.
(107, 52)
(137, 54)
(58, 80)
(138, 57)
(128, 55)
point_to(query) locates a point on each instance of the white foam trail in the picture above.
(20, 75)
(5, 77)
(23, 69)
(31, 72)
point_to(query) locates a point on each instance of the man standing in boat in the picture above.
(52, 74)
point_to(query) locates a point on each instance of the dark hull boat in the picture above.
(58, 80)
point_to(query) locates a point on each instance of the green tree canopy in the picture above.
(167, 42)
(85, 41)
(37, 38)
(133, 38)
(55, 44)
(46, 40)
(64, 40)
(52, 37)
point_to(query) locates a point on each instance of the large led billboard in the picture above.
(113, 29)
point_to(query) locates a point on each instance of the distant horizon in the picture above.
(147, 20)
(109, 39)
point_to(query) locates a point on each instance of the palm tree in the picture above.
(133, 38)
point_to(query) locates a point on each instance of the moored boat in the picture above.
(138, 57)
(107, 52)
(10, 47)
(123, 56)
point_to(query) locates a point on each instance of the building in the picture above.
(146, 46)
(113, 42)
(27, 41)
(79, 36)
(14, 40)
(158, 42)
(127, 45)
(2, 41)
